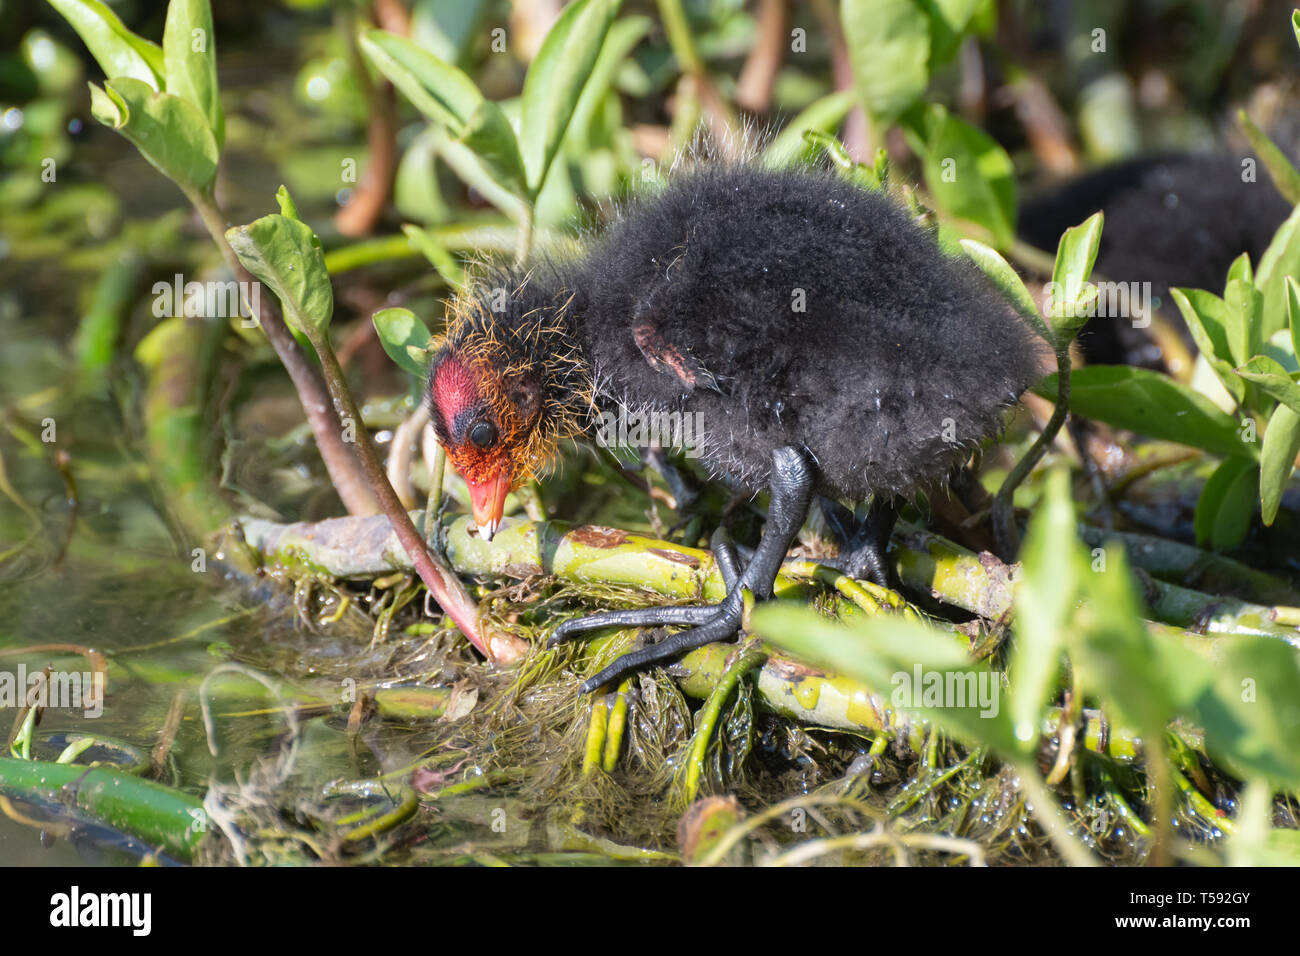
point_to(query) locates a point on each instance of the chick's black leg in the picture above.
(791, 487)
(862, 554)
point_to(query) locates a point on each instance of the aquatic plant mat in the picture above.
(738, 754)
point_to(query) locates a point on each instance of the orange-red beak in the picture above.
(488, 499)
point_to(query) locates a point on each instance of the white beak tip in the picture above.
(488, 531)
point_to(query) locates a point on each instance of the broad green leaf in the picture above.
(1045, 597)
(1277, 459)
(1295, 24)
(190, 56)
(888, 653)
(169, 132)
(1112, 650)
(1209, 321)
(1251, 712)
(438, 90)
(1227, 504)
(1075, 255)
(1280, 170)
(1154, 405)
(555, 80)
(1243, 303)
(1240, 269)
(403, 337)
(622, 38)
(286, 255)
(822, 116)
(889, 50)
(1293, 313)
(1273, 380)
(1280, 259)
(489, 134)
(1009, 283)
(969, 175)
(118, 51)
(449, 97)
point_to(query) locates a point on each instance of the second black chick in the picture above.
(825, 342)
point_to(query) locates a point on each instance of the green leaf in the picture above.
(1280, 259)
(1045, 596)
(1240, 269)
(1272, 379)
(286, 255)
(1113, 652)
(404, 337)
(1075, 255)
(969, 175)
(438, 254)
(489, 134)
(169, 132)
(1009, 283)
(438, 90)
(449, 97)
(1209, 321)
(555, 80)
(889, 50)
(190, 56)
(887, 653)
(820, 145)
(622, 38)
(1251, 711)
(288, 208)
(1243, 303)
(1151, 404)
(1277, 459)
(1280, 170)
(1293, 313)
(1227, 504)
(823, 116)
(118, 51)
(1295, 24)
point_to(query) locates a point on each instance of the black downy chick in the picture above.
(825, 342)
(1172, 219)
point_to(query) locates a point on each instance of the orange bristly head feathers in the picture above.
(507, 384)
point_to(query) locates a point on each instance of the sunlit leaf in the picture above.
(118, 51)
(403, 337)
(1154, 405)
(1227, 504)
(555, 80)
(169, 132)
(1277, 459)
(286, 255)
(190, 56)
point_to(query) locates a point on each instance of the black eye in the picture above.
(483, 434)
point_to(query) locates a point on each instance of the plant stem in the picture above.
(341, 462)
(1004, 525)
(437, 577)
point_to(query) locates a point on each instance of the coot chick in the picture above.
(821, 337)
(1172, 219)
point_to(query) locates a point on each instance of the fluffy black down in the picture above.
(902, 360)
(1171, 220)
